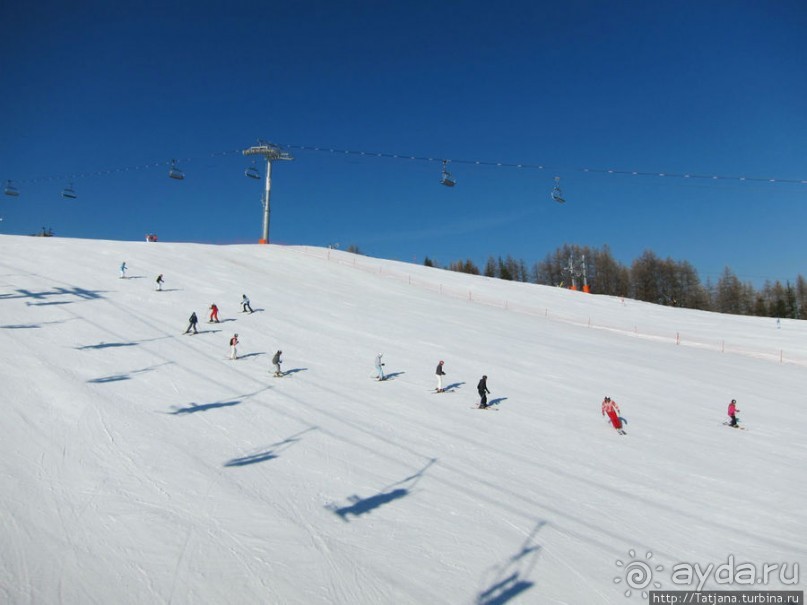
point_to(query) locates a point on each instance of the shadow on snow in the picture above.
(40, 298)
(192, 408)
(496, 401)
(270, 453)
(511, 578)
(119, 377)
(361, 506)
(195, 407)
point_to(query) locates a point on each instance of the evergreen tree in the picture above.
(490, 267)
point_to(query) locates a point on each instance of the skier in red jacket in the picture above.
(612, 409)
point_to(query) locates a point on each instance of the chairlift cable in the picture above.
(420, 158)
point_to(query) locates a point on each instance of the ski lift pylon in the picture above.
(557, 194)
(447, 179)
(69, 193)
(10, 189)
(174, 172)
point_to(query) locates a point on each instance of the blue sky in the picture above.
(704, 88)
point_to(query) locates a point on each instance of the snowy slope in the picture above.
(141, 465)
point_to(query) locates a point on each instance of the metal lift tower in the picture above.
(270, 153)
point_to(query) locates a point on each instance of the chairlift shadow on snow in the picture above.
(32, 326)
(253, 459)
(361, 506)
(195, 407)
(251, 355)
(114, 378)
(511, 578)
(107, 345)
(41, 298)
(81, 293)
(503, 591)
(270, 453)
(48, 304)
(120, 377)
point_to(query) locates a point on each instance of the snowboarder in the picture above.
(123, 270)
(245, 304)
(733, 414)
(214, 314)
(612, 409)
(379, 367)
(277, 361)
(482, 388)
(233, 345)
(439, 372)
(192, 323)
(160, 281)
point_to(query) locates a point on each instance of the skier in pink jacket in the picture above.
(612, 409)
(733, 413)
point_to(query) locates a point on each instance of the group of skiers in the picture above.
(609, 406)
(214, 318)
(482, 387)
(611, 409)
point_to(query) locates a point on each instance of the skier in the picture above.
(160, 281)
(277, 361)
(123, 270)
(233, 345)
(379, 367)
(733, 414)
(482, 388)
(439, 372)
(192, 323)
(214, 314)
(245, 304)
(612, 409)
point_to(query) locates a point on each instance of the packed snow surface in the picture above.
(142, 465)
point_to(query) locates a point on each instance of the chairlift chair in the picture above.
(252, 172)
(557, 194)
(69, 193)
(447, 179)
(11, 190)
(174, 172)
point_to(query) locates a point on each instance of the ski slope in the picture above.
(141, 465)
